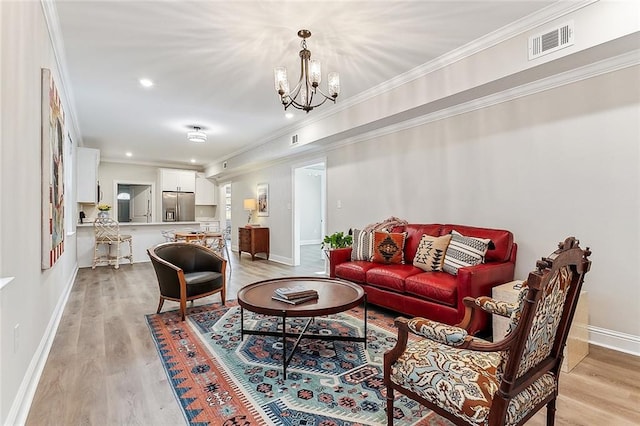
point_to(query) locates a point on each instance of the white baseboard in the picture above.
(22, 403)
(615, 340)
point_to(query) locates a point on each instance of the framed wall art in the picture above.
(52, 157)
(263, 199)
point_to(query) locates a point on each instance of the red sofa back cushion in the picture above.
(501, 239)
(414, 234)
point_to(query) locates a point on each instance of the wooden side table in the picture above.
(577, 346)
(253, 240)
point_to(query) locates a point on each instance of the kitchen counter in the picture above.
(170, 225)
(144, 235)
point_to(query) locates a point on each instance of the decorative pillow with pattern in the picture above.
(464, 251)
(388, 247)
(430, 254)
(362, 245)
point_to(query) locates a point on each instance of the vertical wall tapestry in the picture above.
(52, 131)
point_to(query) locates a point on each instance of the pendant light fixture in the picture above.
(306, 91)
(196, 135)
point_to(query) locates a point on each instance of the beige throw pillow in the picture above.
(430, 254)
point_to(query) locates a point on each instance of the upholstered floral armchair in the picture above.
(471, 381)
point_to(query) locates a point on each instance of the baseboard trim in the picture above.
(621, 342)
(24, 398)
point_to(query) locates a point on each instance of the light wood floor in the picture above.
(103, 368)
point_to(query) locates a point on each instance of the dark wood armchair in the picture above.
(474, 382)
(187, 271)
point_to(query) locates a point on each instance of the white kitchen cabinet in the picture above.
(205, 191)
(87, 160)
(178, 180)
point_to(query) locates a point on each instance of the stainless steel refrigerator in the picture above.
(178, 206)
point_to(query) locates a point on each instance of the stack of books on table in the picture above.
(294, 295)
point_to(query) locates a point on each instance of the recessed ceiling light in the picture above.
(288, 115)
(129, 154)
(193, 160)
(145, 82)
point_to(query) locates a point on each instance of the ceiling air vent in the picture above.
(551, 40)
(224, 165)
(294, 140)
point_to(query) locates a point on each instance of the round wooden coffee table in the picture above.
(334, 296)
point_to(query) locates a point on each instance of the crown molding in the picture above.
(615, 63)
(161, 164)
(55, 36)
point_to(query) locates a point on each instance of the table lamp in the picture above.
(249, 205)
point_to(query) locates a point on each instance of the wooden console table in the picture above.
(252, 241)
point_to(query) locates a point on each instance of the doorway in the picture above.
(309, 214)
(134, 202)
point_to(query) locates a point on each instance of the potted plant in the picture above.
(335, 241)
(103, 210)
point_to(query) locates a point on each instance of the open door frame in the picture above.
(296, 208)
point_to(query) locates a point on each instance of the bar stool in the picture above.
(107, 232)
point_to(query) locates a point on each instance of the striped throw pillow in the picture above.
(362, 246)
(464, 251)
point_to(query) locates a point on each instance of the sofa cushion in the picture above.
(464, 251)
(502, 240)
(362, 245)
(388, 247)
(355, 271)
(390, 277)
(414, 235)
(438, 286)
(430, 254)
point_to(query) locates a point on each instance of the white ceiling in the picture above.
(212, 63)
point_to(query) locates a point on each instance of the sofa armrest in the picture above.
(477, 281)
(336, 257)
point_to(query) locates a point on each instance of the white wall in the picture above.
(34, 299)
(558, 163)
(280, 214)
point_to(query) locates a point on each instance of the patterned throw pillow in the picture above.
(464, 251)
(388, 247)
(362, 245)
(430, 254)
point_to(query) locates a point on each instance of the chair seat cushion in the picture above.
(463, 382)
(202, 282)
(460, 381)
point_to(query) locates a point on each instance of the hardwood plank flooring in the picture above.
(103, 368)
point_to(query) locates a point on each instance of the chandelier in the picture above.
(306, 91)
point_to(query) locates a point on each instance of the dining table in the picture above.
(190, 236)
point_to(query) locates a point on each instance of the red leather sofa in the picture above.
(411, 291)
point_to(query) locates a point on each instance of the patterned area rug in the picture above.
(220, 380)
